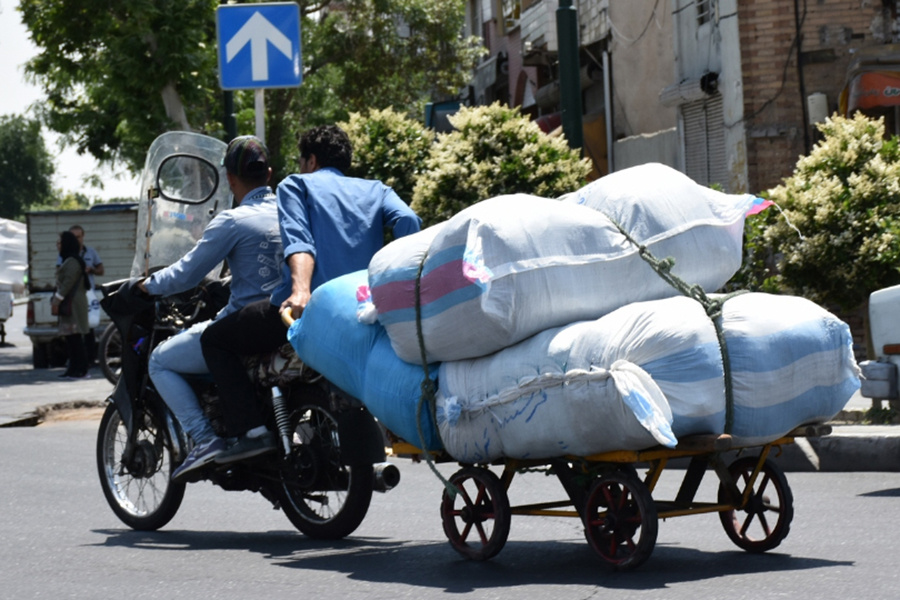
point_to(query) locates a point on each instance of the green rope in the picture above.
(712, 306)
(428, 387)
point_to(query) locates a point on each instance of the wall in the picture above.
(662, 147)
(642, 57)
(832, 31)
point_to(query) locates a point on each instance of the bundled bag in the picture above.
(359, 360)
(647, 374)
(509, 267)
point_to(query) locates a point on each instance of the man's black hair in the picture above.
(330, 144)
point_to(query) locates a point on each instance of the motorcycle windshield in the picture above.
(183, 187)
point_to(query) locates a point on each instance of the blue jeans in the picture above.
(178, 354)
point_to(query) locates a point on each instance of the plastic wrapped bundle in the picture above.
(358, 359)
(648, 374)
(512, 266)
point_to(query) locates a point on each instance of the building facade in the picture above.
(727, 91)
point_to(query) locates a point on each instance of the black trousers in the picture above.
(255, 329)
(90, 346)
(78, 363)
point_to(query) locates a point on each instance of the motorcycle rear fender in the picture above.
(362, 442)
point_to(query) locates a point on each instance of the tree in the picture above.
(26, 168)
(495, 150)
(361, 55)
(390, 147)
(836, 238)
(118, 74)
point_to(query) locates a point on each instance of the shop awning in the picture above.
(871, 90)
(873, 80)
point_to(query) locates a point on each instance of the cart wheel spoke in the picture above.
(487, 518)
(624, 534)
(766, 523)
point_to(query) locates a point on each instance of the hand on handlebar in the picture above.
(294, 305)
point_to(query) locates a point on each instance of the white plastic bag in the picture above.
(93, 303)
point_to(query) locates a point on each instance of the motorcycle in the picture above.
(330, 455)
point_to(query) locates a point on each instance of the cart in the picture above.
(617, 507)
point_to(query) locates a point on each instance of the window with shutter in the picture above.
(704, 141)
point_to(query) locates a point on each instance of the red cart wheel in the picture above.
(477, 520)
(620, 520)
(766, 518)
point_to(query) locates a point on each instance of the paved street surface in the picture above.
(59, 539)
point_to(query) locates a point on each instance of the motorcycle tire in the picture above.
(140, 493)
(323, 498)
(109, 353)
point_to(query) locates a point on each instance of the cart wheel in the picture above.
(480, 510)
(766, 519)
(620, 520)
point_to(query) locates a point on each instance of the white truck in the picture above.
(110, 229)
(880, 376)
(13, 263)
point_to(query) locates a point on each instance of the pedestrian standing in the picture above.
(70, 302)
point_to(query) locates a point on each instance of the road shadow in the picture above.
(891, 493)
(430, 564)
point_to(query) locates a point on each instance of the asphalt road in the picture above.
(59, 539)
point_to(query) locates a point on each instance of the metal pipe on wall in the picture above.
(607, 110)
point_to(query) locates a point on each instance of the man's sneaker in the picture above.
(201, 455)
(247, 447)
(77, 376)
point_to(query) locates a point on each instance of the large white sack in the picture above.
(646, 374)
(509, 267)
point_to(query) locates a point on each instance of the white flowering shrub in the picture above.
(494, 150)
(388, 146)
(844, 199)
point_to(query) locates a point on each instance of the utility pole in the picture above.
(569, 73)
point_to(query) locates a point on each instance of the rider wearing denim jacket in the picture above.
(248, 238)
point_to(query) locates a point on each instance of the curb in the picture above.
(47, 412)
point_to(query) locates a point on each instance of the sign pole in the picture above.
(259, 107)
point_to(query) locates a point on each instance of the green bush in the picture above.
(388, 146)
(837, 239)
(494, 150)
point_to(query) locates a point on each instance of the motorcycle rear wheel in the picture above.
(323, 498)
(141, 493)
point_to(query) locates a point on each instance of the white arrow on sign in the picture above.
(258, 31)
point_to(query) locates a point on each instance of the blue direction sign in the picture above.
(259, 45)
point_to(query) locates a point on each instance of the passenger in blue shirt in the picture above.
(247, 237)
(331, 225)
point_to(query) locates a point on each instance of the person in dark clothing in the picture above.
(330, 225)
(71, 285)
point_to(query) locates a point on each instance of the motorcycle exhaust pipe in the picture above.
(387, 476)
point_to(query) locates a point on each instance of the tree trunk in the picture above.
(174, 107)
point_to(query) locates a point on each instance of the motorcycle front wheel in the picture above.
(323, 498)
(139, 490)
